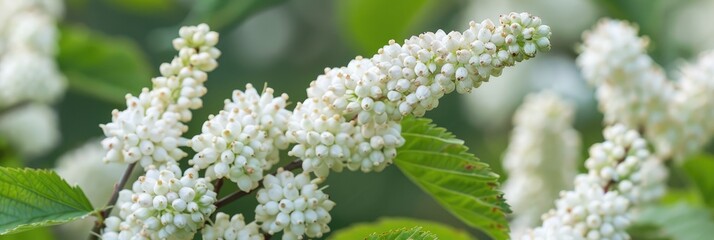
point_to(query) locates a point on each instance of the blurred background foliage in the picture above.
(111, 47)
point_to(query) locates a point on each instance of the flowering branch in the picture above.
(238, 194)
(112, 200)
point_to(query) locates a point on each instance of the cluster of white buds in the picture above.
(150, 129)
(28, 43)
(633, 90)
(617, 163)
(163, 204)
(588, 212)
(293, 204)
(244, 139)
(599, 206)
(231, 229)
(366, 99)
(541, 158)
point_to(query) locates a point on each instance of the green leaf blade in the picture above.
(32, 198)
(699, 168)
(386, 225)
(414, 233)
(441, 165)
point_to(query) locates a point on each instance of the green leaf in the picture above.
(33, 198)
(101, 66)
(678, 222)
(440, 164)
(359, 231)
(34, 234)
(414, 233)
(699, 170)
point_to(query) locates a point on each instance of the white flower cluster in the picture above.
(633, 90)
(293, 204)
(163, 204)
(351, 117)
(231, 229)
(244, 139)
(541, 158)
(598, 207)
(28, 73)
(588, 212)
(149, 130)
(28, 43)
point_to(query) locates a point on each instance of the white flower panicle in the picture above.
(163, 204)
(617, 162)
(633, 90)
(231, 229)
(366, 99)
(691, 107)
(29, 76)
(244, 139)
(588, 212)
(293, 204)
(31, 129)
(541, 157)
(28, 71)
(599, 206)
(149, 130)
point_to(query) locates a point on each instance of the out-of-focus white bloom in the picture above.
(541, 157)
(163, 204)
(653, 180)
(369, 97)
(691, 110)
(244, 139)
(490, 105)
(599, 207)
(28, 73)
(81, 167)
(633, 90)
(28, 42)
(150, 129)
(231, 229)
(29, 76)
(31, 129)
(293, 204)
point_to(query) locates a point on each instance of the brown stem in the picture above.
(112, 200)
(239, 194)
(217, 185)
